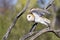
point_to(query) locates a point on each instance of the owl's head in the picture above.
(30, 17)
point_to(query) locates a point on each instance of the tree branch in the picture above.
(30, 32)
(33, 27)
(44, 31)
(14, 21)
(40, 32)
(28, 35)
(53, 18)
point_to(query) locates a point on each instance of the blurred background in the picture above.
(10, 9)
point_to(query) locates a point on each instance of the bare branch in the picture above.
(33, 27)
(56, 30)
(54, 17)
(44, 31)
(49, 4)
(30, 32)
(57, 33)
(40, 32)
(28, 35)
(14, 21)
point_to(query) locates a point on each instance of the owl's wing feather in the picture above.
(40, 12)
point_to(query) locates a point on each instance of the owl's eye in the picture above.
(29, 16)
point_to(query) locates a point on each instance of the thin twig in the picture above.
(43, 31)
(30, 32)
(14, 21)
(33, 27)
(40, 32)
(49, 4)
(28, 35)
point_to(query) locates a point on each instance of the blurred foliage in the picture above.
(22, 26)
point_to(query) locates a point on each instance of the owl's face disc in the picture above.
(30, 17)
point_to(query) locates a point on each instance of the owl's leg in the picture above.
(33, 27)
(48, 25)
(46, 22)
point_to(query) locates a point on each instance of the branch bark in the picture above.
(54, 17)
(44, 31)
(15, 20)
(28, 35)
(30, 32)
(33, 27)
(40, 32)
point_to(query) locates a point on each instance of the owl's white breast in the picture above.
(42, 21)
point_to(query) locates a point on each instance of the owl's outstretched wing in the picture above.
(40, 12)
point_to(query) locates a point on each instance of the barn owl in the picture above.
(38, 17)
(44, 3)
